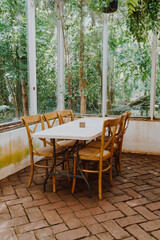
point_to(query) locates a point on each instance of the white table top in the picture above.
(71, 130)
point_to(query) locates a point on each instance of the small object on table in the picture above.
(82, 124)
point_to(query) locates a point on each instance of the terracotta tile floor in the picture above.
(129, 210)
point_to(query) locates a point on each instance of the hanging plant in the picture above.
(143, 16)
(107, 6)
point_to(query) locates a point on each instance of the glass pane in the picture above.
(129, 70)
(83, 46)
(46, 52)
(13, 61)
(157, 98)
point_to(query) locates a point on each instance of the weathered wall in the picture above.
(14, 151)
(142, 137)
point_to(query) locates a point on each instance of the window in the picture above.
(129, 70)
(13, 61)
(46, 55)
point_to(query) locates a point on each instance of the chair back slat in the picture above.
(28, 121)
(109, 126)
(50, 118)
(65, 116)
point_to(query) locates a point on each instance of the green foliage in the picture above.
(143, 17)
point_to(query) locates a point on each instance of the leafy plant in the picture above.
(144, 15)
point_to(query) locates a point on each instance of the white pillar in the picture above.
(104, 83)
(60, 56)
(31, 57)
(153, 75)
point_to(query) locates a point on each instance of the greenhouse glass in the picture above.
(13, 61)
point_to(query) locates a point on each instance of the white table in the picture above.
(72, 130)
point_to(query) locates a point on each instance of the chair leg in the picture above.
(74, 173)
(67, 166)
(110, 176)
(119, 161)
(31, 174)
(100, 181)
(86, 167)
(46, 163)
(54, 180)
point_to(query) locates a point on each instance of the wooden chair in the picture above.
(51, 119)
(101, 155)
(65, 116)
(117, 148)
(46, 152)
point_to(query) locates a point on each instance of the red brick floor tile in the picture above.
(88, 220)
(37, 194)
(35, 203)
(3, 208)
(4, 217)
(19, 200)
(151, 225)
(96, 228)
(91, 238)
(22, 192)
(83, 213)
(88, 202)
(153, 206)
(124, 208)
(120, 198)
(133, 201)
(115, 230)
(73, 234)
(156, 234)
(132, 193)
(27, 236)
(52, 206)
(34, 214)
(31, 226)
(59, 228)
(8, 234)
(137, 202)
(108, 216)
(146, 213)
(96, 210)
(64, 210)
(17, 211)
(52, 217)
(77, 207)
(139, 233)
(52, 197)
(126, 221)
(8, 190)
(105, 236)
(7, 198)
(106, 206)
(71, 220)
(44, 232)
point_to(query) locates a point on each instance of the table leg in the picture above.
(89, 189)
(54, 164)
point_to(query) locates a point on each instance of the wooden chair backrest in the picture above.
(50, 118)
(126, 123)
(109, 126)
(120, 128)
(30, 120)
(65, 116)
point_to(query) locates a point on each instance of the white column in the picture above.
(153, 75)
(31, 57)
(104, 83)
(60, 53)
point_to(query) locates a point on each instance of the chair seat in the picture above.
(97, 144)
(87, 152)
(48, 151)
(66, 143)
